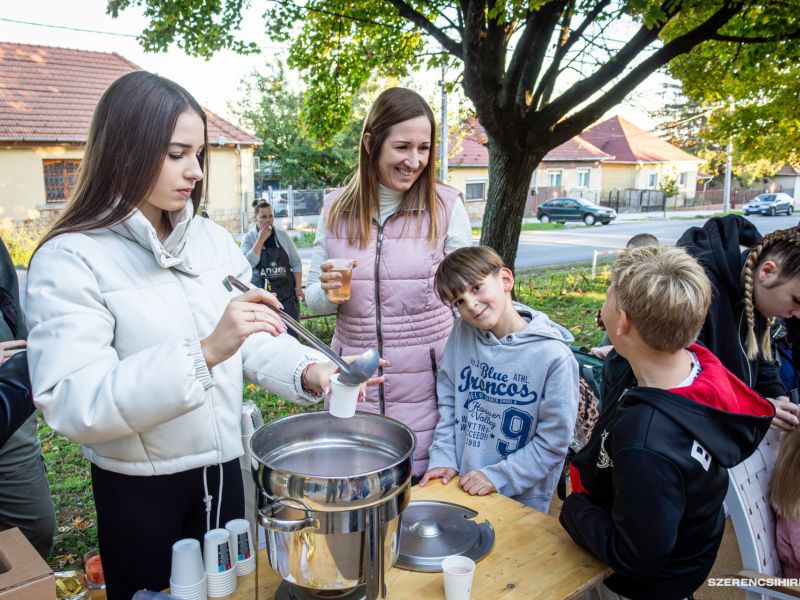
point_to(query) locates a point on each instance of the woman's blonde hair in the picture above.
(784, 489)
(665, 292)
(783, 247)
(356, 207)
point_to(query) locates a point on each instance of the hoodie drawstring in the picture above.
(207, 499)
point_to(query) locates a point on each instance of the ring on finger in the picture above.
(255, 317)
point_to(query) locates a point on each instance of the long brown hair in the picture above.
(784, 489)
(355, 208)
(128, 140)
(783, 247)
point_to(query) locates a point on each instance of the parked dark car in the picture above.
(770, 204)
(574, 209)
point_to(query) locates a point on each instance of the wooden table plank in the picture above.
(533, 557)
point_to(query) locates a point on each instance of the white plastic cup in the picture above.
(217, 553)
(196, 592)
(243, 547)
(344, 266)
(344, 398)
(458, 572)
(221, 584)
(187, 563)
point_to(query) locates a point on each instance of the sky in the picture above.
(215, 83)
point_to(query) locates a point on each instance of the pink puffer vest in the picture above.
(400, 315)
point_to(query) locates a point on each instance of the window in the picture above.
(652, 180)
(554, 177)
(583, 178)
(682, 177)
(59, 177)
(476, 190)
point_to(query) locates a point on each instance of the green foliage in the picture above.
(762, 79)
(270, 108)
(669, 186)
(21, 242)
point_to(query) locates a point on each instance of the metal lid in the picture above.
(432, 530)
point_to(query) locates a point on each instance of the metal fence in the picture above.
(635, 200)
(291, 203)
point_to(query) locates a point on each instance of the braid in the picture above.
(788, 237)
(749, 311)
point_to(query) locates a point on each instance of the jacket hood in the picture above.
(539, 326)
(717, 409)
(716, 246)
(168, 254)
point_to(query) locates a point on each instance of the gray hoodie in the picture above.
(507, 407)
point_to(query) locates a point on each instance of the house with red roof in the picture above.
(641, 160)
(607, 159)
(47, 97)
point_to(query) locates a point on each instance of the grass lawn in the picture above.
(530, 227)
(569, 296)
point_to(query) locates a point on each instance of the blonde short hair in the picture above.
(666, 294)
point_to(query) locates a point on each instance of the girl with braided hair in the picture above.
(755, 279)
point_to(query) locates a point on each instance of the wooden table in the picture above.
(532, 557)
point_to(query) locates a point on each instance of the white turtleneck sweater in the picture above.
(459, 234)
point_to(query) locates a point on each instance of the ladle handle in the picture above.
(310, 337)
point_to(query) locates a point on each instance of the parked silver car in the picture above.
(770, 204)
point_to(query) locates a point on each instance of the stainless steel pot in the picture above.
(332, 491)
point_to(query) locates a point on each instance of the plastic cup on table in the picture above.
(187, 563)
(218, 556)
(344, 398)
(458, 572)
(243, 547)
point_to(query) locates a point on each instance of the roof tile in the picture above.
(49, 94)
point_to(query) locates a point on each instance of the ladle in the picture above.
(354, 373)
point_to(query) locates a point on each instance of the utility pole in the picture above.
(443, 136)
(726, 194)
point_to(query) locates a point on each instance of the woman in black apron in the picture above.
(271, 254)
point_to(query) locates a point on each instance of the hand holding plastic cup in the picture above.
(344, 398)
(344, 266)
(458, 572)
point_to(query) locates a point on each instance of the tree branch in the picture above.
(547, 83)
(418, 19)
(756, 40)
(571, 126)
(529, 55)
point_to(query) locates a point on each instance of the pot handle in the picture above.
(287, 525)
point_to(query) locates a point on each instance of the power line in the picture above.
(112, 33)
(128, 35)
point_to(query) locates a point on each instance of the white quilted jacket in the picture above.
(116, 320)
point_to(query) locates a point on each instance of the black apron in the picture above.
(274, 273)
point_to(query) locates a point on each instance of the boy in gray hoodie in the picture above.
(507, 386)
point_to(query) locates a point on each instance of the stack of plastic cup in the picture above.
(243, 547)
(187, 578)
(220, 563)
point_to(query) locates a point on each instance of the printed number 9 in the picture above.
(516, 426)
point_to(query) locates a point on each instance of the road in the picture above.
(577, 243)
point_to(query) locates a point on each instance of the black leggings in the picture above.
(139, 518)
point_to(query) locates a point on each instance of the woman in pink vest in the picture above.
(398, 223)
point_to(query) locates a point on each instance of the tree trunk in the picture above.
(510, 173)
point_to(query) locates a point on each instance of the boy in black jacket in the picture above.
(648, 500)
